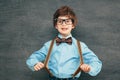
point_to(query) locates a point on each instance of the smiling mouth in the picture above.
(64, 29)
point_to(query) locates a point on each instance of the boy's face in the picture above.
(64, 25)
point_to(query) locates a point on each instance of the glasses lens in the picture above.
(59, 21)
(68, 21)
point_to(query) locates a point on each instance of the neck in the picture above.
(65, 36)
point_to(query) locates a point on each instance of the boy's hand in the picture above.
(85, 67)
(38, 66)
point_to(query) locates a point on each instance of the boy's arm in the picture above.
(92, 60)
(36, 57)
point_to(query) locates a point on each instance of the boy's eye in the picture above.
(68, 20)
(60, 21)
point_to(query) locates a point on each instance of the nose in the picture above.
(63, 23)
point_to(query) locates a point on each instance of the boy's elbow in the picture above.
(95, 71)
(29, 66)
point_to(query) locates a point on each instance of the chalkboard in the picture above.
(25, 25)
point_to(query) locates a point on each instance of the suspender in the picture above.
(48, 56)
(81, 59)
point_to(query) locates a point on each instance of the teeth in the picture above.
(64, 28)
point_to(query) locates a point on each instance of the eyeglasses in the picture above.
(67, 21)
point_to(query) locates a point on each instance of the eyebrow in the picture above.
(64, 19)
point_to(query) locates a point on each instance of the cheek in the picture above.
(71, 27)
(56, 27)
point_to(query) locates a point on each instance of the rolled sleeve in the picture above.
(92, 60)
(95, 68)
(37, 56)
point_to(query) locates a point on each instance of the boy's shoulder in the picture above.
(81, 42)
(48, 42)
(75, 39)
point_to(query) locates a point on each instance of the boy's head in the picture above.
(65, 11)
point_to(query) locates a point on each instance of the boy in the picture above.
(64, 58)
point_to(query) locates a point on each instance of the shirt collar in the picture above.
(60, 36)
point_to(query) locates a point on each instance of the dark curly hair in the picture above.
(65, 11)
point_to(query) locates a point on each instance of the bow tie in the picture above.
(63, 40)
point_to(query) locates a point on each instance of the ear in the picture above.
(56, 27)
(73, 27)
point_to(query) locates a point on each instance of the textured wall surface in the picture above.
(25, 25)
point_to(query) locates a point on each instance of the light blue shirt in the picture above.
(65, 58)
